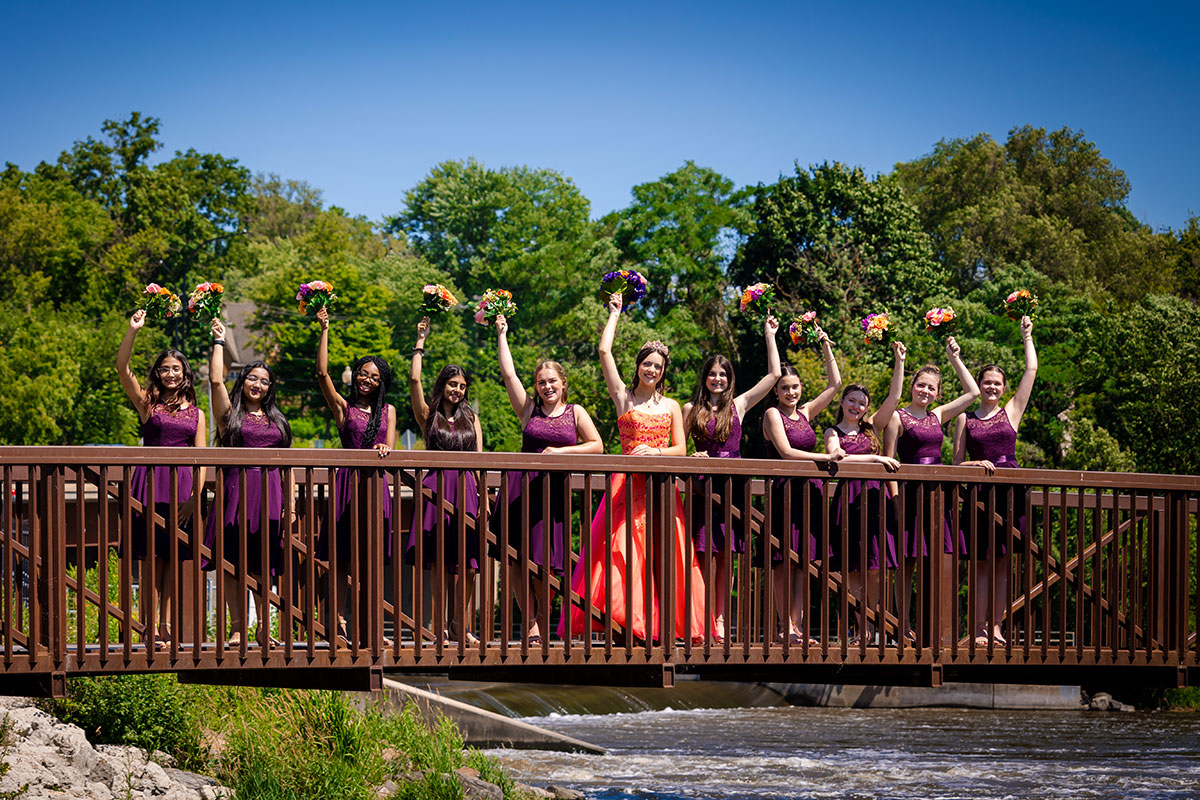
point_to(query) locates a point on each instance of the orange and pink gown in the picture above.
(629, 565)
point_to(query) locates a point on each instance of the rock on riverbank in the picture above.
(57, 761)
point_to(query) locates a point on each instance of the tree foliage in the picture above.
(962, 225)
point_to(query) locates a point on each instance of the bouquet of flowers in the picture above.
(757, 299)
(804, 330)
(437, 299)
(940, 322)
(205, 301)
(314, 296)
(1021, 303)
(877, 328)
(626, 282)
(494, 303)
(159, 302)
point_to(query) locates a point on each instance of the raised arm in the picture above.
(336, 403)
(777, 435)
(958, 405)
(1020, 401)
(416, 394)
(895, 391)
(216, 377)
(608, 365)
(517, 396)
(758, 391)
(833, 381)
(129, 381)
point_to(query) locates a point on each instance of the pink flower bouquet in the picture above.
(494, 303)
(314, 296)
(204, 302)
(159, 303)
(804, 330)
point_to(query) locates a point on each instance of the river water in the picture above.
(794, 752)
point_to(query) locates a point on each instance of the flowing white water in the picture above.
(872, 753)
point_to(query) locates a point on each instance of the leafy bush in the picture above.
(153, 712)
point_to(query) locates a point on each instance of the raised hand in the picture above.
(823, 337)
(138, 319)
(501, 325)
(771, 326)
(218, 328)
(615, 301)
(422, 331)
(1026, 329)
(900, 350)
(323, 316)
(952, 349)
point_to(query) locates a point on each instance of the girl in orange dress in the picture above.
(649, 424)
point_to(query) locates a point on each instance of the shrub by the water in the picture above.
(277, 744)
(153, 712)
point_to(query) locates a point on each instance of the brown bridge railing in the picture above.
(1103, 572)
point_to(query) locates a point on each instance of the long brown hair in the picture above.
(702, 408)
(864, 426)
(457, 431)
(652, 347)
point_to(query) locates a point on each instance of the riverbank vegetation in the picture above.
(277, 744)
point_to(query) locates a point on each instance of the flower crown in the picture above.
(658, 347)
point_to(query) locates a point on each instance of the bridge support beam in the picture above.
(352, 679)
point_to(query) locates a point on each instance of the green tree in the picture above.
(1048, 199)
(681, 232)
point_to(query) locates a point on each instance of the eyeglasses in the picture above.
(368, 377)
(170, 370)
(258, 381)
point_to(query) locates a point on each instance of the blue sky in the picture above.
(363, 100)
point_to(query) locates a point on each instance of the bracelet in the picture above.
(218, 341)
(420, 350)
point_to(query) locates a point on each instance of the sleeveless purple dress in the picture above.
(730, 448)
(353, 429)
(800, 436)
(994, 439)
(468, 504)
(920, 442)
(857, 492)
(257, 431)
(163, 429)
(540, 432)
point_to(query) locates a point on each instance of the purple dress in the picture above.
(163, 429)
(994, 439)
(857, 492)
(452, 508)
(920, 442)
(800, 436)
(540, 432)
(257, 431)
(354, 427)
(730, 448)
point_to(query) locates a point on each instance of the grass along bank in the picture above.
(278, 744)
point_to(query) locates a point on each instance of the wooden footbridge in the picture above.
(1103, 577)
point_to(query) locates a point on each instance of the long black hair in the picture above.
(456, 432)
(378, 399)
(232, 436)
(155, 391)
